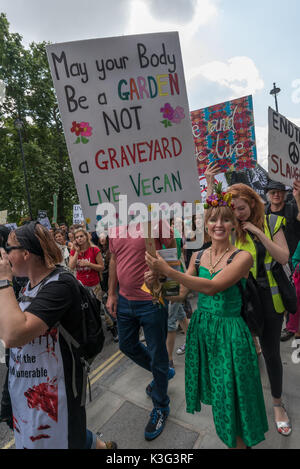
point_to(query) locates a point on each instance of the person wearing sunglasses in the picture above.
(46, 413)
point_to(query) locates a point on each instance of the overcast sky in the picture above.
(230, 48)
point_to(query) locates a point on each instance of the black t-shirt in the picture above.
(58, 302)
(292, 228)
(47, 413)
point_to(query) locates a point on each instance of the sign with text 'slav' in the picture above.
(284, 149)
(126, 119)
(225, 134)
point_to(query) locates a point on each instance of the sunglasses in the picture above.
(8, 249)
(275, 192)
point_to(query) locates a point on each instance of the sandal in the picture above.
(257, 345)
(111, 445)
(284, 428)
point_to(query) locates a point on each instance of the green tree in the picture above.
(30, 97)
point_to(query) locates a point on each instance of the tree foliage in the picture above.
(30, 97)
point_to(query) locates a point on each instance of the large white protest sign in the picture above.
(284, 149)
(126, 121)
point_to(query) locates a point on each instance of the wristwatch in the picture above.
(5, 283)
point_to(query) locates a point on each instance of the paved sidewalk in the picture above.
(120, 408)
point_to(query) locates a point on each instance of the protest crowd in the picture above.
(39, 272)
(66, 292)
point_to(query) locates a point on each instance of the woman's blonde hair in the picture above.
(255, 203)
(85, 232)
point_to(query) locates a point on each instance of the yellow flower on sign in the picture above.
(88, 220)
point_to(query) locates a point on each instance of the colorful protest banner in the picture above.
(225, 134)
(125, 113)
(284, 149)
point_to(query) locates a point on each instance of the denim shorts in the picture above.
(176, 313)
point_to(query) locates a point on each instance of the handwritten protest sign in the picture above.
(284, 149)
(203, 184)
(77, 215)
(11, 226)
(3, 217)
(43, 219)
(225, 134)
(125, 114)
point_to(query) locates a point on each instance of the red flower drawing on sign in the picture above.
(81, 130)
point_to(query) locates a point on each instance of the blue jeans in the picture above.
(90, 440)
(131, 315)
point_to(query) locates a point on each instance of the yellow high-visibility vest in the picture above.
(276, 223)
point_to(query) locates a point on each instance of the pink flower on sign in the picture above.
(167, 111)
(178, 115)
(86, 130)
(82, 131)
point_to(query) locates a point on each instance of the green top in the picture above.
(221, 367)
(224, 304)
(296, 256)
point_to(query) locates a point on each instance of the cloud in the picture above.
(261, 133)
(185, 16)
(66, 20)
(239, 74)
(180, 11)
(296, 93)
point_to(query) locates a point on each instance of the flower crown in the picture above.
(219, 198)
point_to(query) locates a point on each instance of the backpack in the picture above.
(252, 309)
(92, 337)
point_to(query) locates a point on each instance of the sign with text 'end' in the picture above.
(284, 149)
(125, 113)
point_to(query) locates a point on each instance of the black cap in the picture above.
(274, 185)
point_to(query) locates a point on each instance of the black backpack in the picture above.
(252, 309)
(92, 335)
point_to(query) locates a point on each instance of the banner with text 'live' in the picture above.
(125, 113)
(225, 134)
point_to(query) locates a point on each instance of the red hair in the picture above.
(256, 205)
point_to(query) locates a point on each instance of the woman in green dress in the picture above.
(221, 367)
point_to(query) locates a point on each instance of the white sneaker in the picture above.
(181, 350)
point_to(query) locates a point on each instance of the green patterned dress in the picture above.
(221, 368)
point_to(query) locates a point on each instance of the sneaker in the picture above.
(114, 332)
(286, 335)
(149, 388)
(181, 350)
(156, 423)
